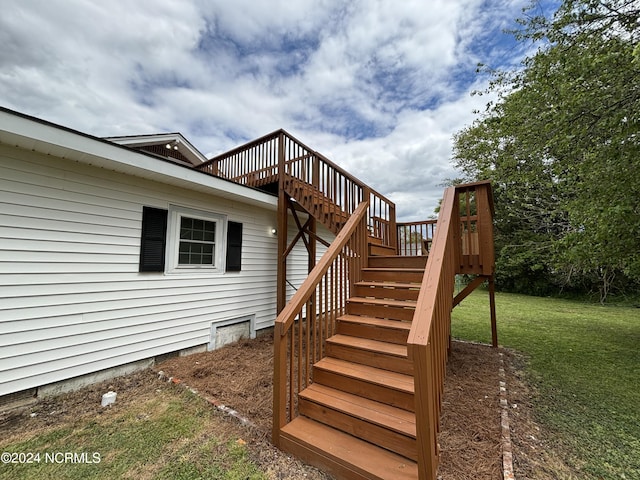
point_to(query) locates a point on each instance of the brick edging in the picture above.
(217, 404)
(507, 452)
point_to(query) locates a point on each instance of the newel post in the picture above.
(487, 253)
(393, 228)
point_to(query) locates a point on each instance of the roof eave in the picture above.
(40, 136)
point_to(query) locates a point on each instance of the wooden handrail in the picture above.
(445, 236)
(355, 180)
(273, 136)
(285, 319)
(428, 341)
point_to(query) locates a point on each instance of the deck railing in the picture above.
(465, 210)
(257, 164)
(253, 164)
(310, 316)
(415, 238)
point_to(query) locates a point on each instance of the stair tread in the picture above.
(398, 256)
(388, 260)
(384, 301)
(368, 460)
(394, 269)
(378, 376)
(377, 346)
(386, 284)
(371, 411)
(375, 250)
(379, 322)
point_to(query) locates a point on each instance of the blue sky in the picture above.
(378, 86)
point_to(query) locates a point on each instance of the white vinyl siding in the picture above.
(72, 300)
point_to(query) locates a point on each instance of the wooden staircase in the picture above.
(357, 418)
(346, 396)
(316, 204)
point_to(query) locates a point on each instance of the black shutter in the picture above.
(234, 247)
(154, 239)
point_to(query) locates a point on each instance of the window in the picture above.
(184, 240)
(195, 241)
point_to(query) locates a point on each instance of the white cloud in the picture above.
(379, 86)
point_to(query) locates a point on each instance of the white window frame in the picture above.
(173, 241)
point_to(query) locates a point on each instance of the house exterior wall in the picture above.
(72, 301)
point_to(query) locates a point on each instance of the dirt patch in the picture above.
(240, 377)
(52, 412)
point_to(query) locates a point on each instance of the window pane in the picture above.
(197, 242)
(186, 227)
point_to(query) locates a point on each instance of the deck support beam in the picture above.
(283, 215)
(466, 291)
(492, 308)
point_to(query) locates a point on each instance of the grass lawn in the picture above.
(167, 436)
(584, 360)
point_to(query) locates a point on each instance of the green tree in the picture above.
(561, 144)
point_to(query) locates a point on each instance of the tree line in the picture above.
(560, 142)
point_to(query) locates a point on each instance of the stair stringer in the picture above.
(316, 204)
(328, 213)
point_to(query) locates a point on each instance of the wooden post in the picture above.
(312, 242)
(393, 229)
(492, 308)
(426, 420)
(280, 386)
(282, 229)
